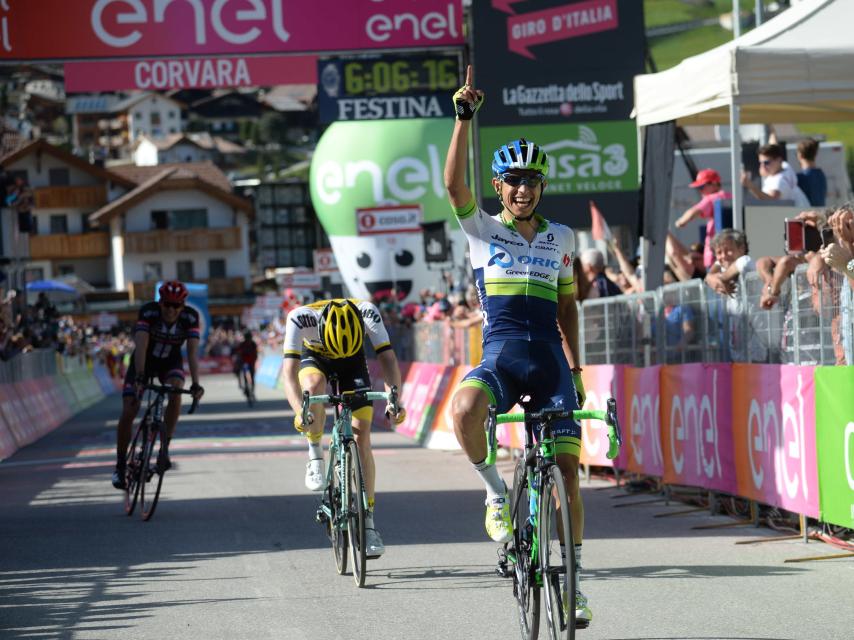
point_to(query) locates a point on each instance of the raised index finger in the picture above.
(468, 75)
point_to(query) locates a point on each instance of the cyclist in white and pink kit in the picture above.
(523, 271)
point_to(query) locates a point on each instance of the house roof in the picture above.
(202, 140)
(206, 171)
(172, 177)
(42, 146)
(290, 97)
(129, 102)
(229, 105)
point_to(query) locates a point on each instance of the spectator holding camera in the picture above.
(839, 254)
(811, 179)
(779, 181)
(708, 183)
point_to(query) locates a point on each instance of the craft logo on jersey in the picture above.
(500, 256)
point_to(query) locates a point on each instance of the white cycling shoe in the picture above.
(315, 475)
(374, 546)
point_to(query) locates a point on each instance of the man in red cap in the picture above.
(708, 182)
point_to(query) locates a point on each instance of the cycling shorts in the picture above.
(161, 368)
(511, 369)
(348, 370)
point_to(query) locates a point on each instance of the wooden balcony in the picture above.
(217, 288)
(89, 197)
(222, 239)
(95, 244)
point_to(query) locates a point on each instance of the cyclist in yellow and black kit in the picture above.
(324, 338)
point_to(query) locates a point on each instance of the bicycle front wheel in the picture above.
(133, 464)
(525, 587)
(152, 478)
(338, 519)
(557, 570)
(356, 513)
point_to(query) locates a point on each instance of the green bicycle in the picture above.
(344, 501)
(540, 515)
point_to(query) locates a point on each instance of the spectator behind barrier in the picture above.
(708, 183)
(779, 181)
(679, 328)
(593, 266)
(630, 271)
(686, 263)
(730, 247)
(811, 179)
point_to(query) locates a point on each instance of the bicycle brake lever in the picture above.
(611, 419)
(491, 423)
(194, 406)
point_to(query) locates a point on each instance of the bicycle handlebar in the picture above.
(347, 398)
(550, 414)
(165, 388)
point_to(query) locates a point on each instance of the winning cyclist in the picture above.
(161, 329)
(246, 353)
(327, 337)
(523, 269)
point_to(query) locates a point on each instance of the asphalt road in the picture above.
(233, 551)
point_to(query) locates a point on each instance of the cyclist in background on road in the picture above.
(246, 353)
(161, 329)
(523, 270)
(325, 338)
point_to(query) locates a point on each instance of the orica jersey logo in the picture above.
(500, 256)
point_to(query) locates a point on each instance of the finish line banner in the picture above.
(154, 28)
(189, 73)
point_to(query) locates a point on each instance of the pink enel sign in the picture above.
(600, 383)
(641, 428)
(64, 30)
(187, 73)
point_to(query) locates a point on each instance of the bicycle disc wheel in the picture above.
(558, 573)
(338, 519)
(525, 588)
(152, 479)
(356, 513)
(133, 463)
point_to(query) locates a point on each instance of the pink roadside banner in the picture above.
(189, 73)
(775, 438)
(419, 397)
(64, 30)
(641, 401)
(602, 382)
(696, 426)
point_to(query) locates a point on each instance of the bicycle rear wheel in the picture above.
(558, 572)
(338, 519)
(133, 464)
(525, 588)
(356, 513)
(152, 480)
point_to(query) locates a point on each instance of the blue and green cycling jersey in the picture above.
(518, 282)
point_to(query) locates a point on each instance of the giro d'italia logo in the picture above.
(500, 256)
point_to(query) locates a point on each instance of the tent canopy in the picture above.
(797, 67)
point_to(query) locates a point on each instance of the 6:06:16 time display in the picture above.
(400, 75)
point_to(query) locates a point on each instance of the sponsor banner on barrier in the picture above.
(600, 383)
(834, 412)
(15, 414)
(641, 401)
(773, 423)
(215, 364)
(442, 434)
(8, 446)
(268, 373)
(420, 391)
(696, 426)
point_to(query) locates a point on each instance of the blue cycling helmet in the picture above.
(519, 154)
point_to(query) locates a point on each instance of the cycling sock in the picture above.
(315, 450)
(495, 486)
(577, 567)
(369, 519)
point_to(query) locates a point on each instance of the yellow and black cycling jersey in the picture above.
(302, 329)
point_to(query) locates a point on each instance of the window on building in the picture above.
(14, 174)
(59, 223)
(138, 115)
(66, 269)
(32, 274)
(159, 219)
(58, 177)
(171, 115)
(185, 270)
(188, 219)
(216, 268)
(155, 118)
(152, 271)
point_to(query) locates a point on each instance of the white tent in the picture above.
(797, 67)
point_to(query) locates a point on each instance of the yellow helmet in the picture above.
(341, 328)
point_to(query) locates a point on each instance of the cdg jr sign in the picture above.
(110, 20)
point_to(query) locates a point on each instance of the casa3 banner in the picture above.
(560, 73)
(65, 30)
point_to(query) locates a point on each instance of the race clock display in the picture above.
(387, 87)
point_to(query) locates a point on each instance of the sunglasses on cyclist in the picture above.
(172, 305)
(515, 180)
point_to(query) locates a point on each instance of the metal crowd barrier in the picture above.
(27, 366)
(688, 322)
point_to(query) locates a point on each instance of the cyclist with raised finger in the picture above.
(522, 264)
(324, 338)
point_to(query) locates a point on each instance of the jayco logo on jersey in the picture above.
(500, 256)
